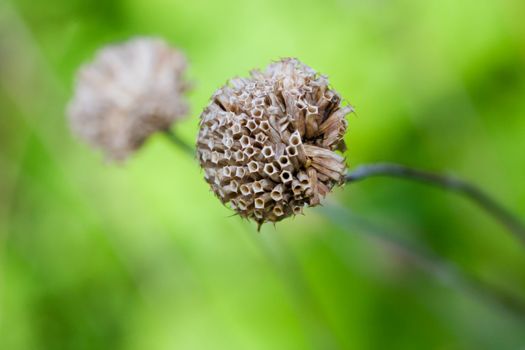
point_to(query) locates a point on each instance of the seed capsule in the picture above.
(287, 122)
(128, 92)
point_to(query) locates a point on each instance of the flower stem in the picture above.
(447, 182)
(446, 272)
(177, 141)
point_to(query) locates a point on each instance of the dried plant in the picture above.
(128, 92)
(267, 143)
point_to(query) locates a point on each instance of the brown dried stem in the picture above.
(511, 222)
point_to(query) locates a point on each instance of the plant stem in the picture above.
(490, 205)
(173, 137)
(445, 272)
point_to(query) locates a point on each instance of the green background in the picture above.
(143, 256)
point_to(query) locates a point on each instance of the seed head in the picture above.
(266, 143)
(128, 92)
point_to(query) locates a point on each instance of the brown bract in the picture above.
(267, 143)
(128, 92)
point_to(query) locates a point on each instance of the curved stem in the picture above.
(173, 137)
(490, 205)
(442, 270)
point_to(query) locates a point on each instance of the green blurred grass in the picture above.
(143, 256)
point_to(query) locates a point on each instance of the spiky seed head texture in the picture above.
(267, 143)
(129, 91)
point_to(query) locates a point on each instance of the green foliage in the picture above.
(142, 256)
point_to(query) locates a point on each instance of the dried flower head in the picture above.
(267, 142)
(128, 92)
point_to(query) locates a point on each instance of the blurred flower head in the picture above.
(129, 91)
(266, 143)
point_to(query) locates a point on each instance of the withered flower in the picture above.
(267, 143)
(128, 92)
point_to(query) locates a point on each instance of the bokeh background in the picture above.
(142, 256)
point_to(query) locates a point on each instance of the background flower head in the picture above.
(129, 91)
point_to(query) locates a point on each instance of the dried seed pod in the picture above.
(286, 124)
(128, 92)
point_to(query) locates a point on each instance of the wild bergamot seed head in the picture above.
(267, 143)
(129, 91)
